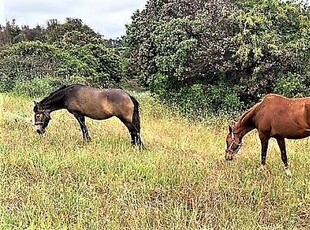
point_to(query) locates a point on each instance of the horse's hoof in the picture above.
(288, 173)
(261, 168)
(142, 147)
(87, 139)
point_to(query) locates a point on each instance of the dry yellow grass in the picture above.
(180, 182)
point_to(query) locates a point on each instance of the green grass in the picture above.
(180, 182)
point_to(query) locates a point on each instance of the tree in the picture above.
(238, 50)
(72, 28)
(9, 33)
(273, 42)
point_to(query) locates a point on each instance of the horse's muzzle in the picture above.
(229, 156)
(40, 130)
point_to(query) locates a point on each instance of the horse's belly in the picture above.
(298, 134)
(290, 131)
(101, 116)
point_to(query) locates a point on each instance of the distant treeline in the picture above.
(42, 58)
(201, 55)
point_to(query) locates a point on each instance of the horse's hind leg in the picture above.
(264, 139)
(81, 120)
(281, 143)
(134, 133)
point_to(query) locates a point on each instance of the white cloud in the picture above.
(105, 16)
(1, 11)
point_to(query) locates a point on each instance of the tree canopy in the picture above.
(221, 54)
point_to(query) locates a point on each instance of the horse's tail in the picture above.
(136, 115)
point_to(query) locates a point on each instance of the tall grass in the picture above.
(180, 182)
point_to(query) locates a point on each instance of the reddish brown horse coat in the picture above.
(276, 116)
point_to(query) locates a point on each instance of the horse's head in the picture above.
(233, 143)
(41, 118)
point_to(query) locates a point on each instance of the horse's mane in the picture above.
(52, 96)
(244, 118)
(57, 94)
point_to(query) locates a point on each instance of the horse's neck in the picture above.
(50, 107)
(53, 102)
(245, 123)
(243, 129)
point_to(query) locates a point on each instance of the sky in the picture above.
(108, 17)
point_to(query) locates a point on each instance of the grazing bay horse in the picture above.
(98, 104)
(275, 116)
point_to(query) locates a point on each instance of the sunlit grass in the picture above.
(180, 182)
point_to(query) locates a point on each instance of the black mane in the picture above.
(57, 94)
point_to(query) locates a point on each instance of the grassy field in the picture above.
(180, 182)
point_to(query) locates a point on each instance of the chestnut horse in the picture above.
(275, 116)
(99, 104)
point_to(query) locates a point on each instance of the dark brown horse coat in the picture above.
(276, 116)
(99, 104)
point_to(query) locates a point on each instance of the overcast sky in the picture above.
(108, 17)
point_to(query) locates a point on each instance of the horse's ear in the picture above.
(230, 129)
(37, 106)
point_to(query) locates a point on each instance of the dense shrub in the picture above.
(23, 62)
(36, 87)
(199, 101)
(58, 54)
(293, 85)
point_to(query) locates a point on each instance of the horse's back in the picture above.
(100, 103)
(307, 112)
(287, 117)
(294, 106)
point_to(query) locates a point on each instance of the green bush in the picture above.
(198, 101)
(192, 101)
(224, 99)
(35, 87)
(40, 87)
(6, 83)
(26, 62)
(293, 85)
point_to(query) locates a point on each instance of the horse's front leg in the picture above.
(81, 120)
(264, 139)
(281, 143)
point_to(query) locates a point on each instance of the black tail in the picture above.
(136, 115)
(136, 123)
